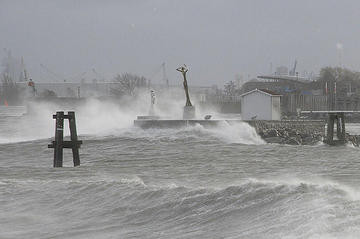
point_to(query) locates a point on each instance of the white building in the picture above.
(260, 105)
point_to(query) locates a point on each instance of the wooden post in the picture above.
(73, 137)
(59, 137)
(341, 124)
(330, 129)
(59, 144)
(338, 127)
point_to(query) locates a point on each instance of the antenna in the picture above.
(340, 48)
(23, 74)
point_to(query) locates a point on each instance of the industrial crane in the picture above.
(52, 73)
(293, 71)
(162, 69)
(98, 75)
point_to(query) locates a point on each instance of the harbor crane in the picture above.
(52, 73)
(293, 70)
(161, 69)
(98, 75)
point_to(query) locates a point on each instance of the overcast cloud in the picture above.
(216, 39)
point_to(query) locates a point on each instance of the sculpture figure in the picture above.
(183, 70)
(152, 95)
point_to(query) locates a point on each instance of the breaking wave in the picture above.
(129, 207)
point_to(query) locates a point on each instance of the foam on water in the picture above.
(252, 208)
(240, 133)
(316, 182)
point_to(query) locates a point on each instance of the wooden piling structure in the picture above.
(59, 144)
(59, 139)
(339, 117)
(340, 128)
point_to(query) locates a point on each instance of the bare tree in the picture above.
(9, 91)
(127, 83)
(230, 88)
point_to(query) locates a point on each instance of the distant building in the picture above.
(260, 105)
(282, 71)
(296, 92)
(239, 81)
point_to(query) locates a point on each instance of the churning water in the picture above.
(191, 182)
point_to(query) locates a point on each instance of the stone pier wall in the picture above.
(283, 132)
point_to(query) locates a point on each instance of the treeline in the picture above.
(10, 92)
(127, 84)
(339, 80)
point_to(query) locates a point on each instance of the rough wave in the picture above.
(128, 207)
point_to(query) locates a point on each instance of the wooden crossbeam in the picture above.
(67, 144)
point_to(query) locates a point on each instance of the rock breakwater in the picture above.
(290, 132)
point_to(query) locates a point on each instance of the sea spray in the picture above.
(236, 133)
(179, 183)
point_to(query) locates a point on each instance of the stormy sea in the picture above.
(192, 182)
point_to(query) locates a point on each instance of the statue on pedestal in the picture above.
(183, 70)
(189, 109)
(152, 95)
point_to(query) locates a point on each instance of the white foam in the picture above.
(103, 118)
(352, 193)
(241, 133)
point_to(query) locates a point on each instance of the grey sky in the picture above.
(216, 39)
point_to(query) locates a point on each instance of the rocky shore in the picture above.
(290, 132)
(290, 136)
(296, 132)
(354, 139)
